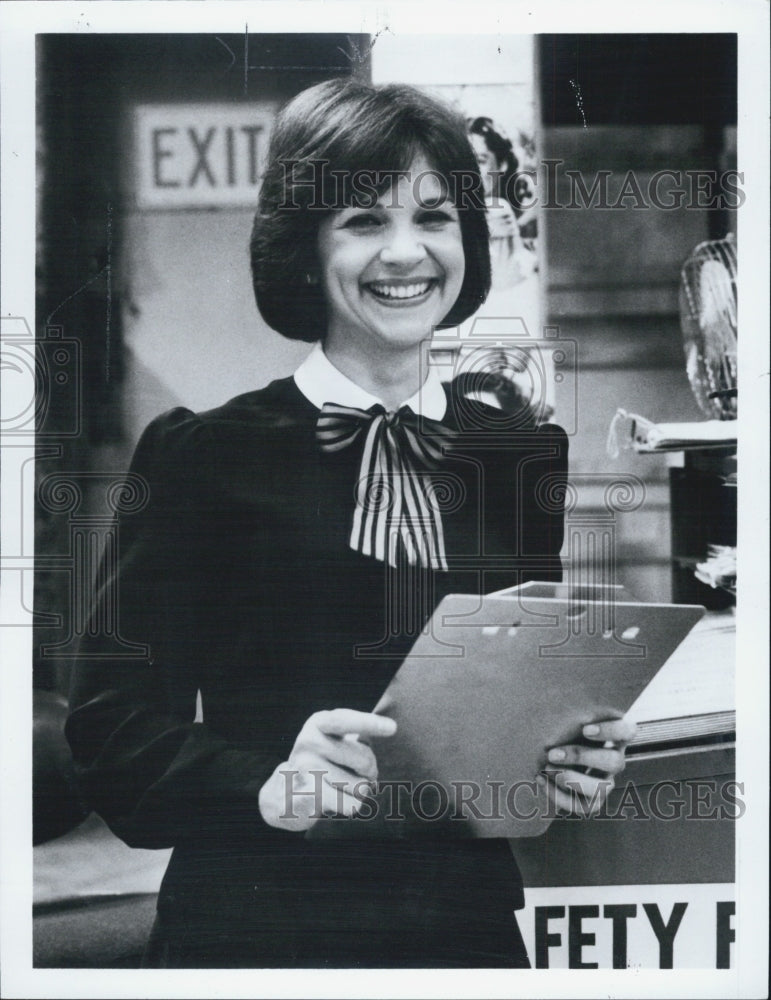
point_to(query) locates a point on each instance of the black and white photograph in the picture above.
(384, 590)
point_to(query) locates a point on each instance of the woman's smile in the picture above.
(392, 271)
(404, 292)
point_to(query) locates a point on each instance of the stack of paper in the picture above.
(630, 430)
(679, 437)
(719, 568)
(692, 697)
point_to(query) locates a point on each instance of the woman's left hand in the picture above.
(573, 789)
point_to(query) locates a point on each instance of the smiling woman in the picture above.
(346, 149)
(295, 543)
(390, 274)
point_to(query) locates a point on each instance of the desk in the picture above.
(665, 838)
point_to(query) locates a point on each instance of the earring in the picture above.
(311, 279)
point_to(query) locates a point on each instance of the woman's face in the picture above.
(391, 273)
(488, 163)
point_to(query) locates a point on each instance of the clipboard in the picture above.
(491, 684)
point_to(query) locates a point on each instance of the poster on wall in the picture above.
(316, 325)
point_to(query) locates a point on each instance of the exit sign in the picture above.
(200, 155)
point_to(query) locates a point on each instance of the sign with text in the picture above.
(634, 926)
(200, 155)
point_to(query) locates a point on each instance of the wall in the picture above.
(612, 275)
(612, 288)
(158, 303)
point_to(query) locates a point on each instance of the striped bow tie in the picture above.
(395, 498)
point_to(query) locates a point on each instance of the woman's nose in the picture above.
(403, 247)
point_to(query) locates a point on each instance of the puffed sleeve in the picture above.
(158, 777)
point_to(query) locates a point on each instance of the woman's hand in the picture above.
(329, 771)
(572, 789)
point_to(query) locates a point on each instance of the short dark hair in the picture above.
(502, 149)
(333, 131)
(496, 141)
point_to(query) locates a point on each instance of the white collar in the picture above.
(320, 382)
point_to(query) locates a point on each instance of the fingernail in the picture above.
(591, 730)
(557, 755)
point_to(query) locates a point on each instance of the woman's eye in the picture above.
(436, 218)
(361, 223)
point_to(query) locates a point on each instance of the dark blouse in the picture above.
(238, 579)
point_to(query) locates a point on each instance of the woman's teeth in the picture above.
(400, 291)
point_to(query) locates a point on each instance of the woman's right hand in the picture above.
(329, 771)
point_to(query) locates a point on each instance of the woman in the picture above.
(264, 575)
(515, 376)
(506, 171)
(507, 192)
